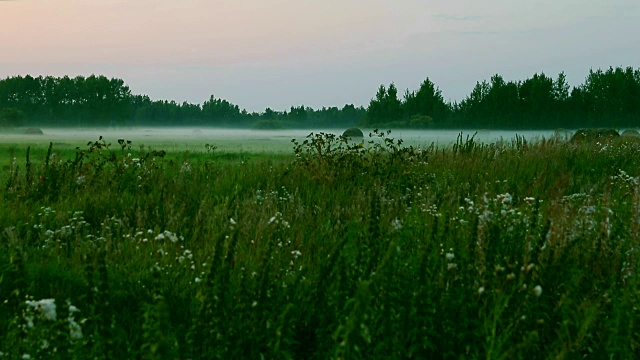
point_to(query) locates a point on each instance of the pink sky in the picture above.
(259, 53)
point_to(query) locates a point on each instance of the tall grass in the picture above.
(345, 250)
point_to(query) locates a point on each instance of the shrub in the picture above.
(12, 117)
(420, 121)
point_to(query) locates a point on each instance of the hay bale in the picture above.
(594, 134)
(33, 131)
(353, 133)
(632, 133)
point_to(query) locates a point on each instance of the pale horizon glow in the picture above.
(276, 53)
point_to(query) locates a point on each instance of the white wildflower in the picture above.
(197, 280)
(450, 256)
(529, 267)
(537, 291)
(169, 235)
(481, 290)
(75, 331)
(396, 224)
(505, 198)
(47, 308)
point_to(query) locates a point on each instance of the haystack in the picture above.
(594, 134)
(353, 133)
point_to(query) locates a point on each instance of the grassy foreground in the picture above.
(507, 250)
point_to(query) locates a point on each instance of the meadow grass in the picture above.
(341, 250)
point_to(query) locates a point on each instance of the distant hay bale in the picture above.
(594, 134)
(632, 133)
(33, 131)
(353, 133)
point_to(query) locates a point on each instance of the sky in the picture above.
(277, 53)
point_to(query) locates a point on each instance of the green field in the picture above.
(502, 250)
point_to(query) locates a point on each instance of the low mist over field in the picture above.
(194, 139)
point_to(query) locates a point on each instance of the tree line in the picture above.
(607, 98)
(99, 101)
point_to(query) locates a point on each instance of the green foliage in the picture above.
(12, 117)
(384, 108)
(513, 249)
(607, 98)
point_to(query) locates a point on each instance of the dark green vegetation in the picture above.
(505, 250)
(595, 134)
(609, 98)
(99, 101)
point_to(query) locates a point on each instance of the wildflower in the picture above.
(537, 291)
(505, 198)
(75, 331)
(170, 236)
(481, 290)
(233, 222)
(450, 256)
(197, 280)
(511, 276)
(396, 224)
(529, 267)
(47, 308)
